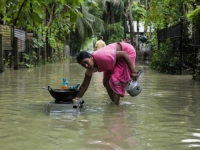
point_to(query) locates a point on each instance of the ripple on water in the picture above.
(165, 116)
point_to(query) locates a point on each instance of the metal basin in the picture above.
(63, 95)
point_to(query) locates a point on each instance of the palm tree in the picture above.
(87, 26)
(88, 23)
(112, 10)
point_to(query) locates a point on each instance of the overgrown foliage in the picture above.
(197, 69)
(166, 13)
(163, 14)
(164, 59)
(195, 16)
(115, 32)
(30, 60)
(49, 21)
(86, 26)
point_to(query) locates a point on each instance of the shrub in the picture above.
(165, 60)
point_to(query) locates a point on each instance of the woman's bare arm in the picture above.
(124, 55)
(85, 84)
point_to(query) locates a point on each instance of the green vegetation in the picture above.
(75, 23)
(195, 19)
(194, 16)
(163, 61)
(163, 14)
(115, 32)
(49, 21)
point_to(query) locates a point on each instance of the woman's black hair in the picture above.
(82, 55)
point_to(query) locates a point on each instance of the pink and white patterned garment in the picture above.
(116, 71)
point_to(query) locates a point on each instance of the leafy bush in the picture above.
(194, 16)
(30, 60)
(197, 69)
(115, 33)
(164, 59)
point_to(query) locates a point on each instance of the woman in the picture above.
(117, 61)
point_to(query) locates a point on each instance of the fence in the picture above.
(196, 48)
(175, 34)
(6, 31)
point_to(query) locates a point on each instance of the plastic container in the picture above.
(65, 84)
(74, 87)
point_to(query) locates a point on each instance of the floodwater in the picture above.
(165, 116)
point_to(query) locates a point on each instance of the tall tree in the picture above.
(132, 35)
(166, 13)
(86, 25)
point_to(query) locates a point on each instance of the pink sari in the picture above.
(117, 72)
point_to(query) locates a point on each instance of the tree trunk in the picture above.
(1, 54)
(132, 37)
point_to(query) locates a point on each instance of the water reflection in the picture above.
(164, 116)
(105, 128)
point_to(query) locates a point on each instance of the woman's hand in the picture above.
(77, 102)
(134, 75)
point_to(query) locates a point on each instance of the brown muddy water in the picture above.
(165, 116)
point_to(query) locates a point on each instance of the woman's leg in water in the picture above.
(113, 96)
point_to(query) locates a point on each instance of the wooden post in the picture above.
(15, 51)
(181, 45)
(158, 37)
(125, 21)
(137, 35)
(27, 50)
(28, 46)
(194, 48)
(38, 54)
(1, 55)
(132, 33)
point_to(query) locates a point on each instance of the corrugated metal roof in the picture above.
(5, 30)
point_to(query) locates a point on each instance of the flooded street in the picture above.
(165, 116)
